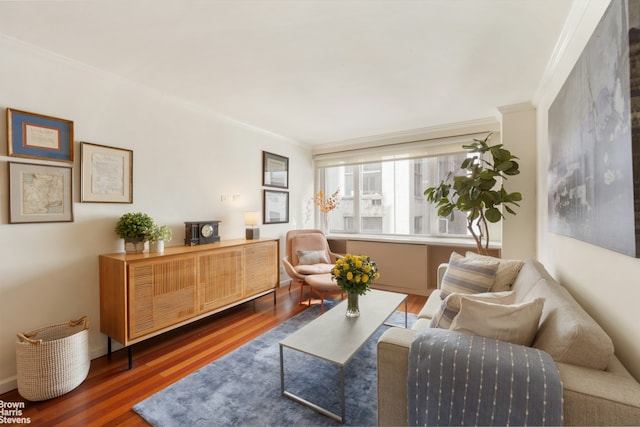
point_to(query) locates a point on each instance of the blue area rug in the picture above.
(242, 388)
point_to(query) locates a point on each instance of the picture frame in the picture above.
(40, 193)
(597, 202)
(106, 174)
(275, 207)
(37, 136)
(275, 170)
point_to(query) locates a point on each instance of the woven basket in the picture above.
(53, 360)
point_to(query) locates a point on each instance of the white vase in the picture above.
(156, 247)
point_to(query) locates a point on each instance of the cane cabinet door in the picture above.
(220, 277)
(162, 293)
(261, 267)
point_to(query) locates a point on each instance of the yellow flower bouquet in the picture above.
(354, 274)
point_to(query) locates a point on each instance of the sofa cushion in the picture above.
(432, 305)
(530, 274)
(516, 323)
(566, 331)
(312, 257)
(507, 270)
(467, 276)
(450, 306)
(421, 323)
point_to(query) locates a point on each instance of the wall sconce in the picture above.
(252, 219)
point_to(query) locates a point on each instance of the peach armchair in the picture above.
(307, 253)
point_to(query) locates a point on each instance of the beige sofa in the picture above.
(598, 390)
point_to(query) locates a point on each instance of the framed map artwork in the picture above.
(106, 174)
(40, 193)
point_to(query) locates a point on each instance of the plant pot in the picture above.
(133, 246)
(157, 247)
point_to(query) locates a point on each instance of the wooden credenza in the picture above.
(144, 295)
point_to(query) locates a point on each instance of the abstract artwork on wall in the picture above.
(594, 139)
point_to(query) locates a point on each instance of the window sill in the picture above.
(418, 240)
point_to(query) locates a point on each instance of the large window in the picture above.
(386, 197)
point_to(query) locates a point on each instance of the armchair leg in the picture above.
(302, 284)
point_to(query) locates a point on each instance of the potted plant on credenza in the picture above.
(134, 228)
(158, 235)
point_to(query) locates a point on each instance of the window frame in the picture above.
(416, 149)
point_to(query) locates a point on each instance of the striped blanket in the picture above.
(457, 379)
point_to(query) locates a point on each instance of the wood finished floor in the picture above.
(105, 398)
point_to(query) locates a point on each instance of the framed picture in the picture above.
(275, 170)
(106, 174)
(39, 137)
(40, 193)
(275, 207)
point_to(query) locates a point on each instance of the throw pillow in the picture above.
(450, 306)
(517, 324)
(467, 276)
(312, 257)
(508, 270)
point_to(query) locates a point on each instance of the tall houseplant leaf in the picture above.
(473, 192)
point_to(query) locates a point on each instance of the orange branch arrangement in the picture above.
(327, 204)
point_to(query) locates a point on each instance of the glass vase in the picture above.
(325, 222)
(353, 308)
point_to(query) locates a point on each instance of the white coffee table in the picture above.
(336, 338)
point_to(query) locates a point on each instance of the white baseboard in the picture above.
(8, 384)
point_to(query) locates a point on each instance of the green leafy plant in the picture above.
(474, 192)
(134, 226)
(159, 232)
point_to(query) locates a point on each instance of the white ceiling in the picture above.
(313, 71)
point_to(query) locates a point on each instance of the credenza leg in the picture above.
(274, 297)
(109, 346)
(130, 353)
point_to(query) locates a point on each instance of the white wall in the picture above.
(518, 134)
(604, 282)
(184, 160)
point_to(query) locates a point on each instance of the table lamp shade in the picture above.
(251, 218)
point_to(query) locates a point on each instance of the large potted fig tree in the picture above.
(475, 191)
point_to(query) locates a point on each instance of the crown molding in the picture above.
(516, 108)
(488, 124)
(576, 12)
(173, 100)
